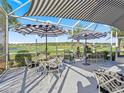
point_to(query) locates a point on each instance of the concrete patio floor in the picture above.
(75, 78)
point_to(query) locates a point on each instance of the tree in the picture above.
(12, 21)
(120, 34)
(7, 7)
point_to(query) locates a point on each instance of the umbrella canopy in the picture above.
(51, 30)
(43, 30)
(88, 35)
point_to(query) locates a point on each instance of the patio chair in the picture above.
(30, 63)
(69, 57)
(59, 62)
(51, 67)
(91, 57)
(42, 69)
(54, 65)
(110, 81)
(95, 57)
(39, 67)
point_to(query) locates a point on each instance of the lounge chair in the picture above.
(110, 81)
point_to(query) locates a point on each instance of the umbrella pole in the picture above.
(85, 52)
(36, 51)
(56, 48)
(46, 48)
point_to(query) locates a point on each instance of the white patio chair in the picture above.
(42, 69)
(31, 64)
(28, 62)
(55, 65)
(110, 82)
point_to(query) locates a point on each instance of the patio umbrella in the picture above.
(87, 35)
(43, 30)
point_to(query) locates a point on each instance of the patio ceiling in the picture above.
(110, 12)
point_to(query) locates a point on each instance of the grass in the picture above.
(13, 49)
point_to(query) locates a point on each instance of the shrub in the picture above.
(88, 49)
(10, 64)
(20, 57)
(106, 57)
(113, 56)
(78, 52)
(69, 55)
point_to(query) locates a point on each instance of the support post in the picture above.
(72, 39)
(111, 48)
(116, 54)
(85, 51)
(7, 47)
(56, 47)
(76, 23)
(59, 20)
(88, 26)
(20, 7)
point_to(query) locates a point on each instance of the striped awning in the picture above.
(109, 12)
(42, 30)
(88, 34)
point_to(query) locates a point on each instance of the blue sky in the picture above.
(18, 38)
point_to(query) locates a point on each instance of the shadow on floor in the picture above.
(53, 86)
(31, 84)
(24, 80)
(62, 84)
(80, 87)
(92, 88)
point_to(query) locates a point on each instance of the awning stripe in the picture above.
(101, 11)
(33, 7)
(58, 10)
(49, 6)
(53, 6)
(85, 11)
(39, 7)
(72, 9)
(66, 7)
(44, 6)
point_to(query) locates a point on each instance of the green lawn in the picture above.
(52, 48)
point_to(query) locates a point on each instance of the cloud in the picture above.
(17, 1)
